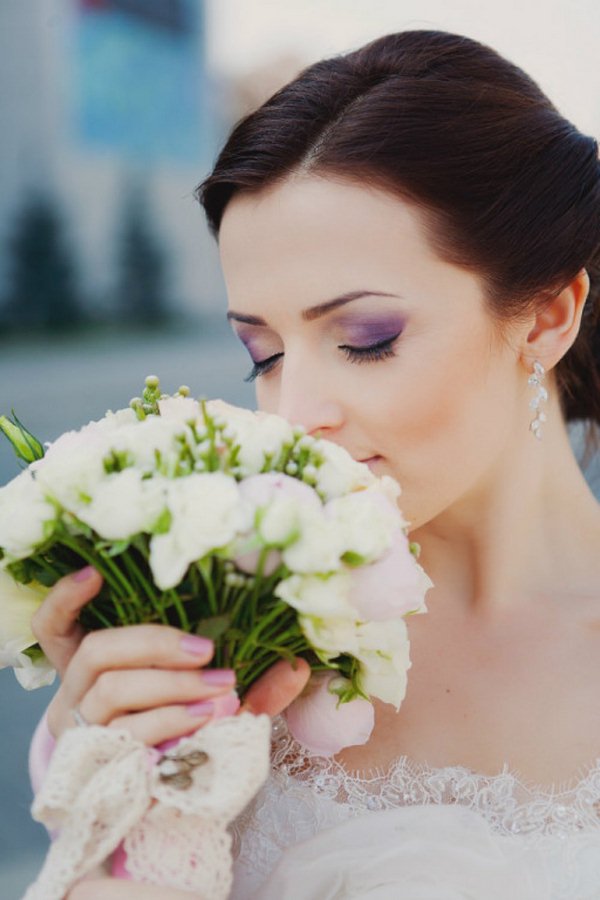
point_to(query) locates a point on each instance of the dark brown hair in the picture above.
(507, 186)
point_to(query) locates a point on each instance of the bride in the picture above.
(410, 237)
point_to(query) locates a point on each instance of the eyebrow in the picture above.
(314, 312)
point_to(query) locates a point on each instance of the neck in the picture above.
(529, 531)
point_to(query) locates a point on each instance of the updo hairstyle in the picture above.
(507, 187)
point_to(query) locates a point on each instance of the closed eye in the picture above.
(261, 367)
(371, 353)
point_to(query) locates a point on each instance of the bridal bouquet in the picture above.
(225, 523)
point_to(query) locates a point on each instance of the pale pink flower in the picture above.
(321, 725)
(393, 586)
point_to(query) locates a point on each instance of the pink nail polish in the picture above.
(198, 646)
(202, 708)
(218, 677)
(84, 574)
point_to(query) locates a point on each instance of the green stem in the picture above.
(176, 601)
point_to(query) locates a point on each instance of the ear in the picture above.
(556, 325)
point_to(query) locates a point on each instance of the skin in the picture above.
(508, 527)
(511, 643)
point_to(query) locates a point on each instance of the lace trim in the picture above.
(509, 804)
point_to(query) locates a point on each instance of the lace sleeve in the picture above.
(40, 753)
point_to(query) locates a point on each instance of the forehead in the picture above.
(315, 237)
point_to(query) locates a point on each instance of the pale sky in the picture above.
(555, 41)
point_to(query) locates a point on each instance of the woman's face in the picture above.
(357, 330)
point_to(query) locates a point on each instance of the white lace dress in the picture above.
(414, 833)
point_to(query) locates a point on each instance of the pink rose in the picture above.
(317, 722)
(393, 586)
(279, 497)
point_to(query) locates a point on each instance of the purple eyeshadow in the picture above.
(369, 330)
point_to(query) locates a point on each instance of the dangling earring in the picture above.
(541, 395)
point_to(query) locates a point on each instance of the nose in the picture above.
(307, 398)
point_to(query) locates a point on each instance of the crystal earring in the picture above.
(541, 395)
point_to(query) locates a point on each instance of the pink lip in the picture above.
(370, 462)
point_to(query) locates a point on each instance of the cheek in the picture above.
(439, 429)
(267, 394)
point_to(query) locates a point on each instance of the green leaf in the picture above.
(213, 627)
(163, 523)
(353, 559)
(26, 446)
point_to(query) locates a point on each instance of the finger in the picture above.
(118, 692)
(55, 623)
(133, 647)
(119, 889)
(277, 688)
(156, 726)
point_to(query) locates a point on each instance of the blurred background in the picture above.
(111, 111)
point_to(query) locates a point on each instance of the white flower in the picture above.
(276, 501)
(34, 673)
(330, 637)
(339, 474)
(74, 464)
(365, 522)
(143, 441)
(259, 435)
(383, 650)
(317, 548)
(207, 513)
(24, 513)
(18, 602)
(114, 420)
(181, 409)
(124, 504)
(321, 598)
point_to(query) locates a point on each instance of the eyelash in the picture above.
(381, 350)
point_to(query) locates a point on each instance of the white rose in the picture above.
(317, 548)
(258, 434)
(322, 598)
(34, 673)
(24, 514)
(207, 513)
(274, 432)
(124, 504)
(18, 602)
(143, 441)
(232, 415)
(330, 637)
(114, 420)
(275, 500)
(339, 474)
(181, 409)
(73, 465)
(383, 650)
(365, 522)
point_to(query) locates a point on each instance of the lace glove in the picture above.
(172, 811)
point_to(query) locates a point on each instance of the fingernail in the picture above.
(199, 646)
(218, 677)
(84, 574)
(202, 708)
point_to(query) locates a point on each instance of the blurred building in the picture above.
(106, 105)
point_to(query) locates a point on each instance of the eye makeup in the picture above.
(362, 339)
(368, 330)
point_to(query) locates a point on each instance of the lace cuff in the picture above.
(40, 753)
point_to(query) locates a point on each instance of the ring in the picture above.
(80, 719)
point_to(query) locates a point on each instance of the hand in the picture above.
(145, 678)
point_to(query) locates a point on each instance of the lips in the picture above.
(370, 461)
